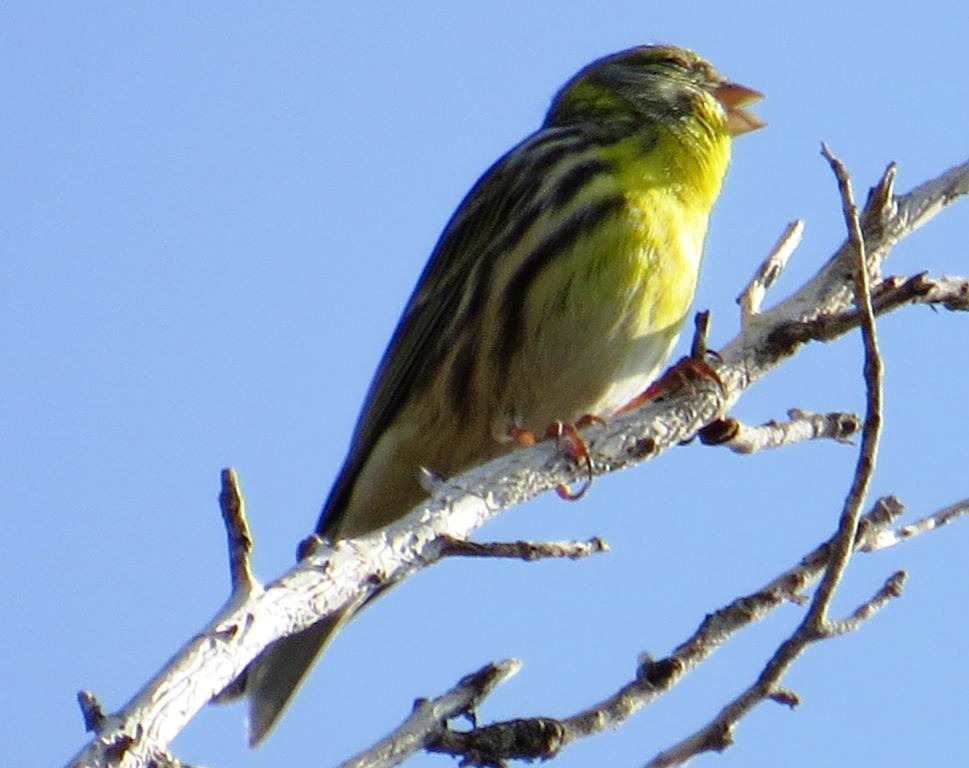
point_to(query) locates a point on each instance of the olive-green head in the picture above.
(654, 83)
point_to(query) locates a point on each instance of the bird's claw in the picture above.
(571, 443)
(684, 372)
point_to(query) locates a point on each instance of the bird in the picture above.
(555, 292)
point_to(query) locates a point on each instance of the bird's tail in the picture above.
(276, 674)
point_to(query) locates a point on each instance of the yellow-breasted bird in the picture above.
(557, 290)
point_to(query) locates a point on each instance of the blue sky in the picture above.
(213, 216)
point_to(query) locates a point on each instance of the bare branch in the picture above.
(802, 426)
(428, 720)
(751, 299)
(890, 590)
(533, 738)
(92, 711)
(887, 295)
(654, 677)
(871, 431)
(525, 550)
(927, 200)
(233, 507)
(717, 735)
(348, 570)
(883, 539)
(701, 328)
(886, 219)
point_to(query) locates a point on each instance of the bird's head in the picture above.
(659, 83)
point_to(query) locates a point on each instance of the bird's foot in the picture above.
(682, 374)
(571, 443)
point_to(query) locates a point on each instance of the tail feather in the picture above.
(277, 673)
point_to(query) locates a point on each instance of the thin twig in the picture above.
(871, 430)
(884, 538)
(92, 711)
(751, 299)
(717, 735)
(656, 677)
(431, 715)
(527, 737)
(701, 329)
(802, 426)
(892, 292)
(524, 550)
(233, 506)
(890, 590)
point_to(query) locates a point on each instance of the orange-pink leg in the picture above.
(679, 375)
(571, 443)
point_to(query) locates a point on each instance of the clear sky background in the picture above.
(212, 217)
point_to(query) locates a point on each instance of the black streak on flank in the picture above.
(511, 204)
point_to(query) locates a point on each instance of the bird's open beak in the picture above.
(734, 97)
